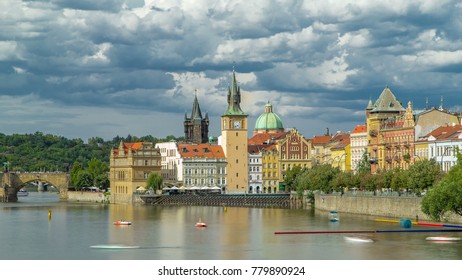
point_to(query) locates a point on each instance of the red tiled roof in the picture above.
(319, 140)
(133, 146)
(261, 138)
(341, 144)
(445, 131)
(200, 150)
(360, 128)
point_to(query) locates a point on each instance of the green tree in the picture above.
(399, 180)
(364, 166)
(154, 181)
(446, 196)
(77, 167)
(320, 177)
(84, 180)
(291, 176)
(423, 174)
(101, 181)
(99, 172)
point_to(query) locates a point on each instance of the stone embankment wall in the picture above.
(98, 197)
(385, 206)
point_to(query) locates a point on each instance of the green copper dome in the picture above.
(269, 121)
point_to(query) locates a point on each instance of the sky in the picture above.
(107, 68)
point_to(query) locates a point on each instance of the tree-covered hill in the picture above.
(46, 152)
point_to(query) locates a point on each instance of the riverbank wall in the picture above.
(98, 197)
(401, 207)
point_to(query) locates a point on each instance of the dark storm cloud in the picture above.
(318, 62)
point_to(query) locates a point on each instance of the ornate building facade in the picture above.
(385, 107)
(129, 167)
(204, 165)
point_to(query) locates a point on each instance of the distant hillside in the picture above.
(46, 152)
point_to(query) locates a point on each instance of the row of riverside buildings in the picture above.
(392, 137)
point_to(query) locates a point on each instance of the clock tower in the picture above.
(234, 141)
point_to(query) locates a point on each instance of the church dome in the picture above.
(268, 121)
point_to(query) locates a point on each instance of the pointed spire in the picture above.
(370, 106)
(234, 98)
(196, 110)
(387, 102)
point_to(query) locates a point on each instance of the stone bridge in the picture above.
(11, 182)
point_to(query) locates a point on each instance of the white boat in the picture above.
(22, 192)
(360, 239)
(442, 238)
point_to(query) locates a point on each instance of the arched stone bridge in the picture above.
(11, 182)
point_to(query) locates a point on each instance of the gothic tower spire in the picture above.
(234, 98)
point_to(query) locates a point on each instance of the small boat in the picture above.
(201, 224)
(442, 238)
(22, 192)
(333, 216)
(360, 239)
(122, 223)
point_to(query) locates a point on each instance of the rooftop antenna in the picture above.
(441, 104)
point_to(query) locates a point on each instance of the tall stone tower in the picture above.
(234, 141)
(385, 107)
(196, 128)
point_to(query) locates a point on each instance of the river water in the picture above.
(169, 233)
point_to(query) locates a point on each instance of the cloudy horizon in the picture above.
(108, 68)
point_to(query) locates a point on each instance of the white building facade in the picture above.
(255, 169)
(358, 145)
(172, 163)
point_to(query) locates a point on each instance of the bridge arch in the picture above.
(11, 182)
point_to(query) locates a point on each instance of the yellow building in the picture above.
(341, 156)
(270, 169)
(421, 150)
(320, 153)
(130, 165)
(234, 142)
